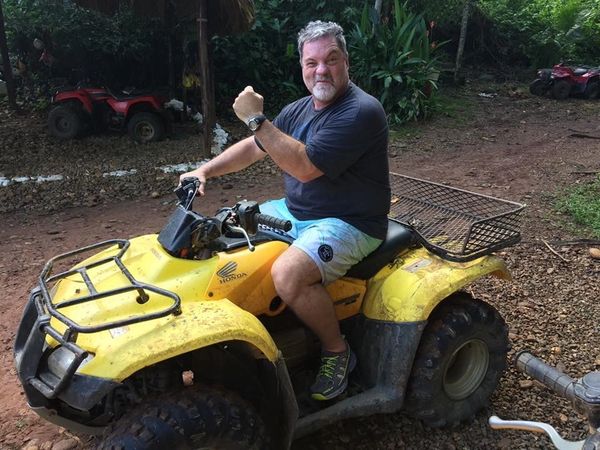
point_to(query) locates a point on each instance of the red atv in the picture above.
(77, 109)
(563, 81)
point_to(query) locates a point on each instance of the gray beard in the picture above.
(324, 93)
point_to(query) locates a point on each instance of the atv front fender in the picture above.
(410, 288)
(202, 324)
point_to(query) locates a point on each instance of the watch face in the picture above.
(255, 122)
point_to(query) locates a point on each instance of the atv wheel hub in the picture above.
(145, 131)
(466, 369)
(63, 124)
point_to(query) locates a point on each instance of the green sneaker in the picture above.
(332, 378)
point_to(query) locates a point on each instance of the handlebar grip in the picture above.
(273, 222)
(561, 383)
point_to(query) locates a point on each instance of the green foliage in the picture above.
(124, 45)
(538, 32)
(448, 12)
(266, 57)
(583, 204)
(393, 61)
(547, 31)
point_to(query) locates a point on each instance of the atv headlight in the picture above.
(61, 359)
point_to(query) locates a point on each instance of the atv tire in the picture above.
(538, 88)
(592, 90)
(190, 419)
(461, 357)
(146, 127)
(561, 89)
(65, 122)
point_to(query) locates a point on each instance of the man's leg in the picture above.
(297, 280)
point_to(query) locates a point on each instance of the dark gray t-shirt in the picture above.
(347, 141)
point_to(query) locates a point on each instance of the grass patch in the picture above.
(404, 131)
(582, 203)
(455, 105)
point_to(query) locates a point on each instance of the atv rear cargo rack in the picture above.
(46, 304)
(455, 224)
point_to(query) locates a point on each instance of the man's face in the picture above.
(324, 70)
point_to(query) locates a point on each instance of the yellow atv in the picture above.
(178, 340)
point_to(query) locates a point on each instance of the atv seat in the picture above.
(398, 238)
(580, 71)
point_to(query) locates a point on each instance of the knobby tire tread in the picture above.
(454, 321)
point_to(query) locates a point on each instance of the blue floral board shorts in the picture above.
(331, 243)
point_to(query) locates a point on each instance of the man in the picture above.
(332, 147)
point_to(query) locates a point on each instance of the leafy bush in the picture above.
(535, 32)
(512, 34)
(266, 57)
(122, 49)
(393, 61)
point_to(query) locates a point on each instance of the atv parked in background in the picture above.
(563, 81)
(179, 340)
(74, 110)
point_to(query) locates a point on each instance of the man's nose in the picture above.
(322, 68)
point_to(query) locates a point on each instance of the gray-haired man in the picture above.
(332, 148)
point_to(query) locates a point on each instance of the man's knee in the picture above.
(293, 271)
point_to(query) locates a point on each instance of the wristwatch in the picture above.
(255, 122)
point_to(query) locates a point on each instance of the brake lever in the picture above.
(241, 230)
(537, 427)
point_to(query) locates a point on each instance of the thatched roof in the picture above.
(225, 16)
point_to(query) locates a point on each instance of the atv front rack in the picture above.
(45, 303)
(455, 224)
(30, 342)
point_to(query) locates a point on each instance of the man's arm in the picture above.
(235, 158)
(288, 153)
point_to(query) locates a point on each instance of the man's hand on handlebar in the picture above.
(199, 174)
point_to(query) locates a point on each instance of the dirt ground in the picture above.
(505, 143)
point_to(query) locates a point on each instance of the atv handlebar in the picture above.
(584, 394)
(189, 234)
(273, 222)
(561, 383)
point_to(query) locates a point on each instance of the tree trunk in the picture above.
(208, 102)
(462, 39)
(378, 4)
(10, 84)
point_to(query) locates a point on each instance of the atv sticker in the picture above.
(227, 273)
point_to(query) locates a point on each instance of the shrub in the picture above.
(393, 62)
(122, 49)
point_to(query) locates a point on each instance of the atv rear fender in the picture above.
(80, 97)
(410, 288)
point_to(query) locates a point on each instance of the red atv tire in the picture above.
(65, 122)
(561, 89)
(146, 127)
(592, 90)
(538, 87)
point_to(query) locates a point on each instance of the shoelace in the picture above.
(328, 364)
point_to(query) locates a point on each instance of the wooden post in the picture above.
(208, 103)
(10, 83)
(462, 39)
